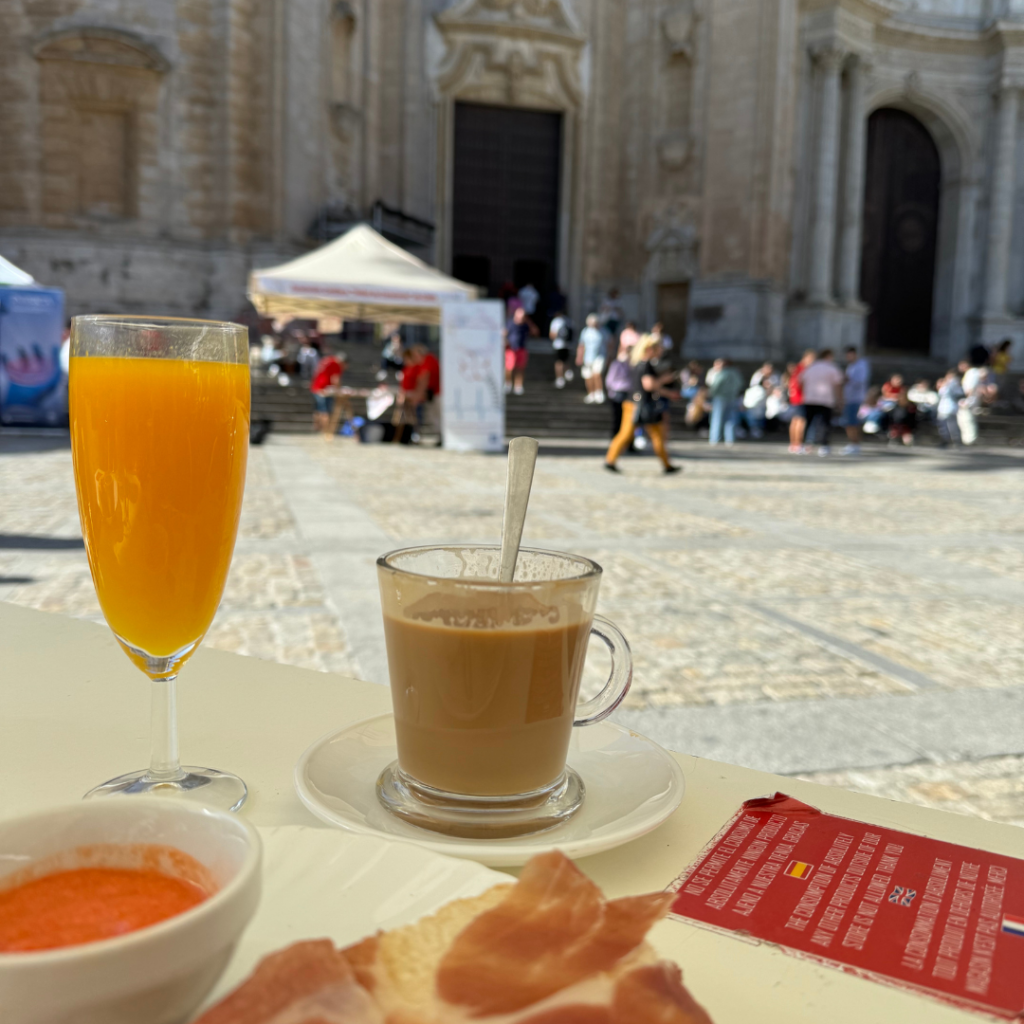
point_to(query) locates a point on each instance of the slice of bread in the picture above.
(409, 957)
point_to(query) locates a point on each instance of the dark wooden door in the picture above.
(901, 222)
(506, 183)
(673, 310)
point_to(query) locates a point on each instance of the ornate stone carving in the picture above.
(521, 52)
(672, 245)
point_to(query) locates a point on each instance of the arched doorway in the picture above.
(901, 221)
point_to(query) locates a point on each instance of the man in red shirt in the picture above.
(326, 381)
(421, 389)
(798, 421)
(430, 376)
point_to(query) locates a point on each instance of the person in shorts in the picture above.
(590, 358)
(822, 383)
(797, 417)
(517, 333)
(855, 391)
(324, 389)
(560, 334)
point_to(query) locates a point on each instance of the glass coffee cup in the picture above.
(485, 679)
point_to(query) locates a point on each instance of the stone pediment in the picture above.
(100, 45)
(519, 52)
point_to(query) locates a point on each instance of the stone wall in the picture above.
(137, 170)
(694, 154)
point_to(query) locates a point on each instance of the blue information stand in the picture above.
(33, 384)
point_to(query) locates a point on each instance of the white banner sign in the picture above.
(473, 375)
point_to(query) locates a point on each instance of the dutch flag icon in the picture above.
(1013, 925)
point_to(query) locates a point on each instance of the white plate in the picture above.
(633, 785)
(319, 883)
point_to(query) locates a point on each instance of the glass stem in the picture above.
(164, 763)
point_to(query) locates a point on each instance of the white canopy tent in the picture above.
(10, 275)
(359, 276)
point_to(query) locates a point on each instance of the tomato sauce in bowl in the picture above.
(50, 909)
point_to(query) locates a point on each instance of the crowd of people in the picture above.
(633, 374)
(808, 399)
(404, 402)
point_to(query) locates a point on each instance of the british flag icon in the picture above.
(902, 897)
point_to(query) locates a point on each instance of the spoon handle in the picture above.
(522, 457)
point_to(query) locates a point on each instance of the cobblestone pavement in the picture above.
(755, 584)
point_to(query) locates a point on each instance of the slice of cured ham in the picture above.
(548, 950)
(552, 930)
(305, 983)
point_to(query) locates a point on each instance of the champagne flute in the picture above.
(160, 438)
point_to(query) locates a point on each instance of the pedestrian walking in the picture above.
(590, 358)
(650, 381)
(823, 394)
(798, 417)
(724, 389)
(855, 391)
(517, 333)
(560, 333)
(618, 384)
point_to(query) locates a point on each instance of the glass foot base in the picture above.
(473, 817)
(208, 786)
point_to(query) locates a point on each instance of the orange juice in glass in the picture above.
(160, 437)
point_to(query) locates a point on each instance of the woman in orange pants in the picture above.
(650, 383)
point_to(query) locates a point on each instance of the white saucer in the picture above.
(633, 785)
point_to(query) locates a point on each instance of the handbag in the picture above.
(647, 410)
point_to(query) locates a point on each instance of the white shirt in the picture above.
(820, 380)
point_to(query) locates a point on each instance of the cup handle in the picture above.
(619, 679)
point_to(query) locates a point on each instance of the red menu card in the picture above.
(918, 913)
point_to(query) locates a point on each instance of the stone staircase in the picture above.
(544, 411)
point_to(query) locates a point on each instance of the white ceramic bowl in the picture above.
(156, 975)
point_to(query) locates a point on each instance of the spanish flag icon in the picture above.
(798, 869)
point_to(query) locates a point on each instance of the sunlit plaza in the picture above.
(860, 622)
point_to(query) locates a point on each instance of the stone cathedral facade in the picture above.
(761, 175)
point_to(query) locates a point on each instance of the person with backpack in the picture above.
(561, 333)
(650, 382)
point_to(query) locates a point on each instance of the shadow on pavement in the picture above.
(979, 462)
(26, 542)
(29, 444)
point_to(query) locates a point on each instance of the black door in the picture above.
(505, 216)
(901, 220)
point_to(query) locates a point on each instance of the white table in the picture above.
(73, 712)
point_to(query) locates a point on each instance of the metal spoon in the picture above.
(522, 458)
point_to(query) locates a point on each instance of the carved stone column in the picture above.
(1000, 215)
(828, 62)
(854, 144)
